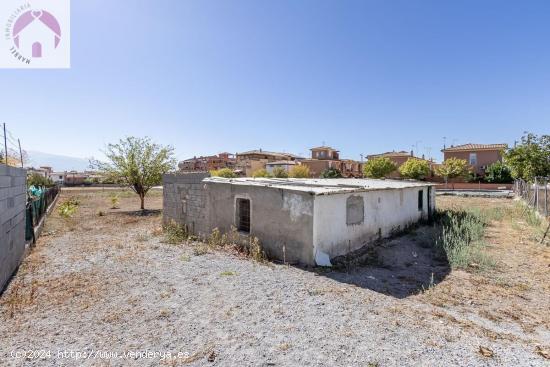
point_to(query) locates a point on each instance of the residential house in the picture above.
(249, 162)
(399, 158)
(478, 156)
(58, 178)
(286, 165)
(208, 163)
(324, 157)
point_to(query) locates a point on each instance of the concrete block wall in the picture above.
(185, 199)
(13, 198)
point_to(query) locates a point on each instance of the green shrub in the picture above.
(498, 172)
(414, 168)
(68, 208)
(299, 171)
(452, 168)
(174, 233)
(115, 200)
(280, 172)
(460, 237)
(378, 167)
(261, 173)
(38, 180)
(224, 172)
(331, 173)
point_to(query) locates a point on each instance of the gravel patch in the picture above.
(112, 286)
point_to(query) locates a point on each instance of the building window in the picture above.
(355, 210)
(473, 159)
(243, 215)
(421, 200)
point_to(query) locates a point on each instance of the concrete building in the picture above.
(308, 221)
(478, 156)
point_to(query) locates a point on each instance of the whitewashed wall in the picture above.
(385, 211)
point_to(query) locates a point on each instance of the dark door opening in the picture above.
(421, 200)
(243, 215)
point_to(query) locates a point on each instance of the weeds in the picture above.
(460, 237)
(68, 208)
(174, 234)
(115, 201)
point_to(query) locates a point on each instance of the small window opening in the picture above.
(421, 200)
(243, 215)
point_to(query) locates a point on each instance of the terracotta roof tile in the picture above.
(471, 146)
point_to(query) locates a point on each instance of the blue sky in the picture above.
(362, 76)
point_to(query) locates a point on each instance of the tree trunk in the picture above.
(142, 198)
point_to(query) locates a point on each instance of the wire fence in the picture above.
(535, 194)
(37, 206)
(11, 153)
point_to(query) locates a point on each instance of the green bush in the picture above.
(224, 172)
(280, 172)
(414, 168)
(378, 167)
(331, 173)
(68, 208)
(498, 172)
(38, 180)
(460, 236)
(174, 233)
(261, 173)
(299, 171)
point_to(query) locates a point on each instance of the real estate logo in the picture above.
(36, 34)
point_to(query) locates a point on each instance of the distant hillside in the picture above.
(57, 162)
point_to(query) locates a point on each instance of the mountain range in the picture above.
(57, 162)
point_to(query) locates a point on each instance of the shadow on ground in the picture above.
(136, 213)
(399, 267)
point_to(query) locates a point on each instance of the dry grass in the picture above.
(516, 291)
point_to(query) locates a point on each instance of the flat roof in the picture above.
(321, 186)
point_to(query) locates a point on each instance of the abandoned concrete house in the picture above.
(308, 221)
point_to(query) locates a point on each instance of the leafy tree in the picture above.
(36, 179)
(378, 167)
(280, 172)
(452, 168)
(415, 168)
(331, 173)
(498, 172)
(531, 158)
(262, 172)
(137, 162)
(299, 171)
(224, 172)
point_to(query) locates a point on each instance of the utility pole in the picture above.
(20, 152)
(5, 144)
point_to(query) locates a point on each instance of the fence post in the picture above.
(546, 197)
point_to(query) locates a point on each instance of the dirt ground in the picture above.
(102, 289)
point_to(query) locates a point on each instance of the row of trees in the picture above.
(140, 164)
(527, 160)
(413, 168)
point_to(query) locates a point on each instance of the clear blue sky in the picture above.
(363, 76)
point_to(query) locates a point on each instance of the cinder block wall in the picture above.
(13, 199)
(185, 201)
